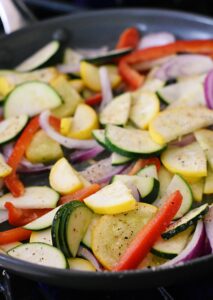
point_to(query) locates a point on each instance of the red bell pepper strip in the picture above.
(14, 235)
(12, 182)
(20, 217)
(128, 38)
(81, 194)
(135, 79)
(141, 163)
(94, 100)
(148, 235)
(55, 123)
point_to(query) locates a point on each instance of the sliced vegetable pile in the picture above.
(124, 140)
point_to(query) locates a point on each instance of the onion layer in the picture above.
(193, 249)
(208, 89)
(62, 140)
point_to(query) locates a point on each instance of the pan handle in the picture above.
(14, 15)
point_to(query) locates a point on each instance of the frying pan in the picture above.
(94, 29)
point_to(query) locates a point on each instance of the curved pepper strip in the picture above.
(135, 79)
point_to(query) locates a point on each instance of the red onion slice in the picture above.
(193, 249)
(82, 155)
(208, 221)
(102, 171)
(106, 89)
(66, 142)
(208, 89)
(184, 141)
(85, 253)
(134, 191)
(147, 65)
(184, 65)
(156, 39)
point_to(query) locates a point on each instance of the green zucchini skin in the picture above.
(183, 223)
(108, 57)
(150, 198)
(61, 224)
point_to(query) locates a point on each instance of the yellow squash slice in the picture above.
(176, 122)
(187, 161)
(91, 78)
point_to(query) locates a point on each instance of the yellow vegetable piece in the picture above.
(188, 161)
(112, 199)
(43, 149)
(5, 169)
(205, 139)
(69, 95)
(65, 125)
(5, 86)
(208, 187)
(144, 108)
(9, 79)
(77, 84)
(80, 264)
(113, 233)
(197, 190)
(84, 121)
(173, 123)
(63, 178)
(41, 236)
(91, 78)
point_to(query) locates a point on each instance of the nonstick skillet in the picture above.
(94, 29)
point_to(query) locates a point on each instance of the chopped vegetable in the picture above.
(128, 38)
(12, 181)
(148, 235)
(14, 235)
(81, 194)
(20, 217)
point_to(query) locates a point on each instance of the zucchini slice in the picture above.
(118, 159)
(69, 227)
(178, 183)
(148, 187)
(70, 97)
(108, 57)
(11, 127)
(43, 222)
(39, 58)
(43, 236)
(188, 161)
(31, 98)
(182, 224)
(148, 171)
(168, 126)
(170, 248)
(151, 260)
(43, 149)
(33, 198)
(131, 142)
(87, 239)
(144, 108)
(205, 139)
(117, 111)
(41, 254)
(99, 136)
(178, 91)
(113, 233)
(81, 264)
